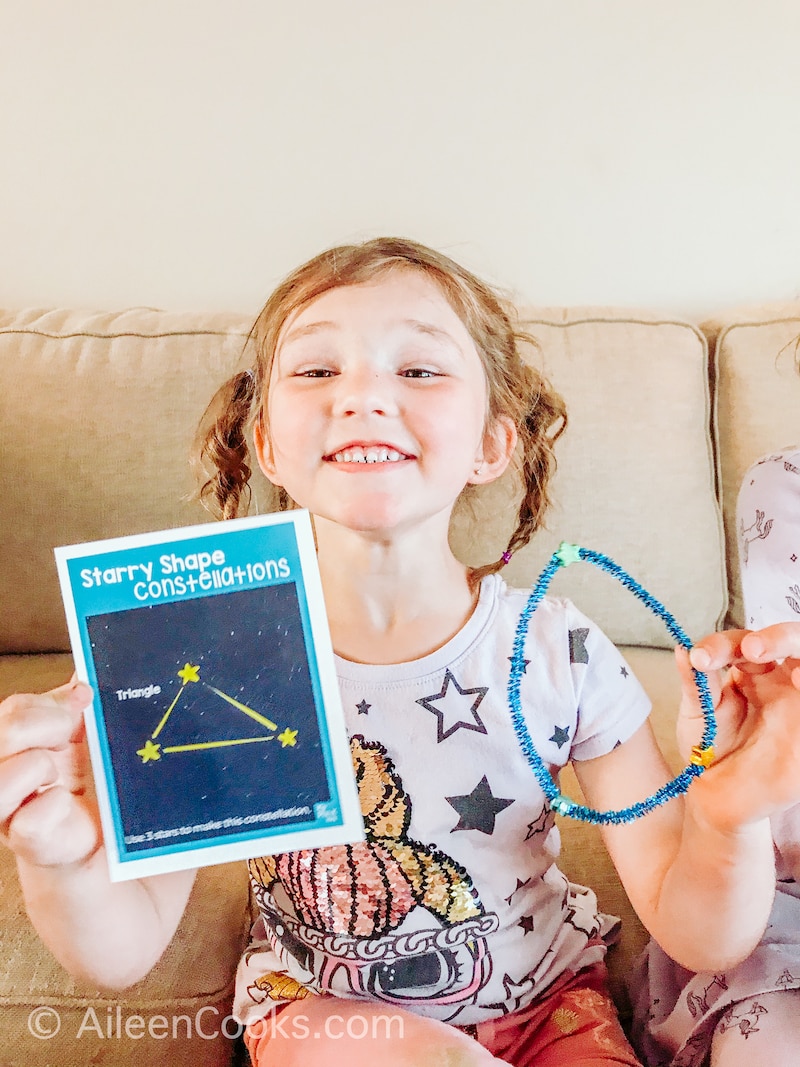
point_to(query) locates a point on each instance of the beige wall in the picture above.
(186, 153)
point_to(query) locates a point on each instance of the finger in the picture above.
(42, 720)
(686, 675)
(21, 778)
(686, 671)
(777, 642)
(54, 829)
(718, 651)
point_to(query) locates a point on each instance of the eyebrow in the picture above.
(417, 325)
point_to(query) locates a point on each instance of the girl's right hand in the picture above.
(48, 815)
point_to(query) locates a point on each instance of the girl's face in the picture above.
(376, 408)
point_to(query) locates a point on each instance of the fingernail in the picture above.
(700, 658)
(755, 647)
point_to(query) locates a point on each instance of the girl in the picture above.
(750, 1013)
(387, 382)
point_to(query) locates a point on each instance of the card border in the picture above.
(169, 857)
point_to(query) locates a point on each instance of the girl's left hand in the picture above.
(754, 678)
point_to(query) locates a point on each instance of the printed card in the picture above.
(217, 731)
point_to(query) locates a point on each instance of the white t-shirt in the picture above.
(453, 906)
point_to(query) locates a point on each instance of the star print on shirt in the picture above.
(623, 671)
(363, 707)
(520, 885)
(541, 824)
(577, 645)
(525, 663)
(451, 715)
(526, 924)
(560, 735)
(479, 809)
(516, 993)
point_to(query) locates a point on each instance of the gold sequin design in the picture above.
(366, 889)
(565, 1021)
(281, 987)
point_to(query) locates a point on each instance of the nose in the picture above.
(364, 390)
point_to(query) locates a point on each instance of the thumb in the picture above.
(74, 697)
(688, 664)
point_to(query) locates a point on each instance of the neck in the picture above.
(391, 599)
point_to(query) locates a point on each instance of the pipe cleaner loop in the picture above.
(702, 754)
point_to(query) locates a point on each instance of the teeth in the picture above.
(367, 455)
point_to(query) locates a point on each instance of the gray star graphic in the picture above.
(478, 809)
(577, 645)
(560, 735)
(456, 723)
(525, 663)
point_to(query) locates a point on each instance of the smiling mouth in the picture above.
(371, 454)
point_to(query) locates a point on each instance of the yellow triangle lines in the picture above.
(243, 707)
(218, 744)
(152, 752)
(167, 713)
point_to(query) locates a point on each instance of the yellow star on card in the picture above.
(149, 752)
(288, 738)
(189, 673)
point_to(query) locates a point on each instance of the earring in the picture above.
(478, 470)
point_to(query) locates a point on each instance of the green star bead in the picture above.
(568, 553)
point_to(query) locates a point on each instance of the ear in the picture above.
(263, 451)
(496, 452)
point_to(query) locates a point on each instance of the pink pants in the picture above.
(575, 1022)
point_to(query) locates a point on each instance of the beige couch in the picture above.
(98, 412)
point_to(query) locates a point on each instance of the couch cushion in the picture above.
(756, 405)
(635, 473)
(97, 416)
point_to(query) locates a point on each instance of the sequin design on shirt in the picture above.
(356, 919)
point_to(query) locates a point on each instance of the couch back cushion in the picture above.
(757, 404)
(99, 411)
(635, 476)
(98, 416)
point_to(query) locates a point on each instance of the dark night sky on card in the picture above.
(249, 645)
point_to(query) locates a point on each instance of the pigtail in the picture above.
(545, 421)
(540, 423)
(221, 450)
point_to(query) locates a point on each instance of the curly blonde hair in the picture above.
(515, 389)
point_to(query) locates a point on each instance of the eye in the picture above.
(314, 372)
(418, 372)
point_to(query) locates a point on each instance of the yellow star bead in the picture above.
(702, 757)
(288, 738)
(189, 673)
(149, 752)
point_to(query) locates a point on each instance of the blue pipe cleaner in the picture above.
(702, 754)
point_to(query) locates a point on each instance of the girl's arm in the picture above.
(107, 933)
(700, 870)
(703, 890)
